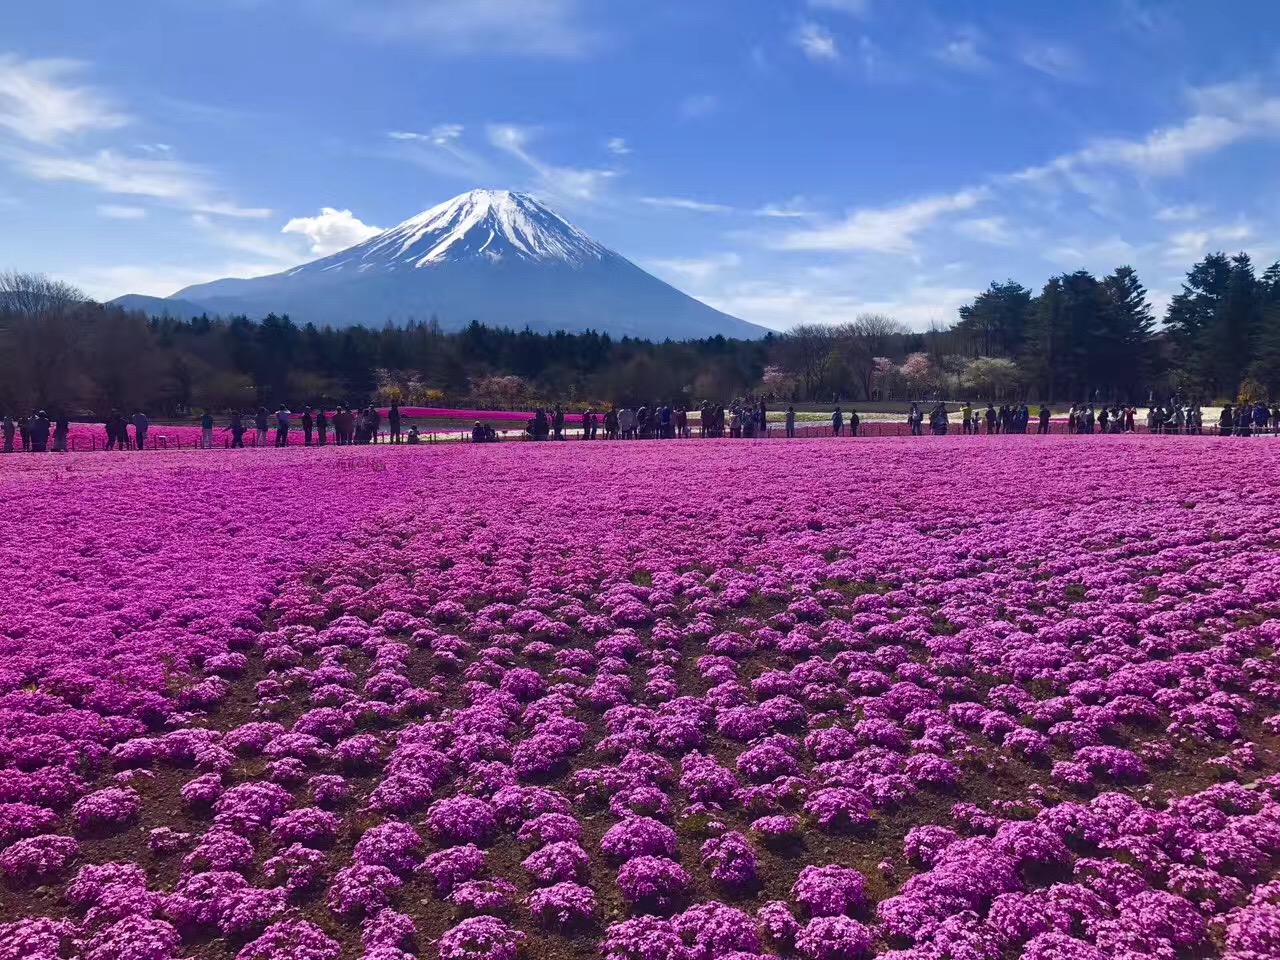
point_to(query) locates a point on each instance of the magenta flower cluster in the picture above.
(460, 702)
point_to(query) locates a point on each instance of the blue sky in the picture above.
(784, 160)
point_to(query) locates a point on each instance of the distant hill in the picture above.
(496, 257)
(161, 307)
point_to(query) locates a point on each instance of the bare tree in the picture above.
(37, 295)
(869, 336)
(803, 352)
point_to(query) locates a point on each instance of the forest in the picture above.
(1078, 337)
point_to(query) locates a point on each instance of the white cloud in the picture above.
(1100, 255)
(1189, 246)
(993, 230)
(113, 211)
(332, 230)
(618, 147)
(441, 136)
(1178, 212)
(1224, 115)
(816, 42)
(112, 172)
(569, 184)
(884, 229)
(530, 28)
(1057, 60)
(38, 104)
(440, 150)
(698, 105)
(964, 52)
(794, 209)
(681, 203)
(697, 270)
(269, 248)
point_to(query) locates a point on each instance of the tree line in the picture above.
(1079, 337)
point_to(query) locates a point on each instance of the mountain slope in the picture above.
(496, 257)
(160, 306)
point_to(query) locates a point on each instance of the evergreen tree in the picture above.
(995, 324)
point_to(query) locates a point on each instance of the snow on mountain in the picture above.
(483, 223)
(492, 256)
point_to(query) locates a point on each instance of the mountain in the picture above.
(160, 306)
(500, 258)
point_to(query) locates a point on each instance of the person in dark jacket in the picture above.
(308, 424)
(261, 424)
(61, 428)
(24, 433)
(40, 433)
(322, 428)
(8, 427)
(393, 421)
(237, 429)
(1226, 421)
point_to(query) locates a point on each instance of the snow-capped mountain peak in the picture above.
(493, 224)
(489, 256)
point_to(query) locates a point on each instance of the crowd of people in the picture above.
(346, 426)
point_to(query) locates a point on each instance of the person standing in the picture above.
(854, 422)
(1044, 418)
(7, 426)
(322, 428)
(283, 415)
(237, 429)
(966, 414)
(308, 424)
(206, 431)
(110, 423)
(393, 421)
(61, 428)
(24, 433)
(261, 424)
(1226, 420)
(837, 422)
(40, 433)
(791, 422)
(374, 422)
(140, 427)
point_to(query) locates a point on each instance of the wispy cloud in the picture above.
(440, 135)
(441, 151)
(996, 231)
(696, 270)
(1178, 212)
(816, 42)
(1056, 60)
(332, 230)
(568, 184)
(109, 171)
(1224, 114)
(114, 211)
(1188, 246)
(683, 203)
(618, 147)
(1099, 254)
(40, 103)
(268, 247)
(884, 229)
(794, 209)
(964, 52)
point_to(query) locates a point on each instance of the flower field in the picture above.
(953, 698)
